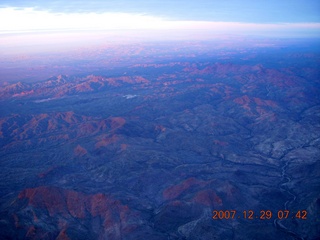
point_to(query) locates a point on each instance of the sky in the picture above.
(40, 15)
(155, 19)
(253, 11)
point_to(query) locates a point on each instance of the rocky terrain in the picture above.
(149, 152)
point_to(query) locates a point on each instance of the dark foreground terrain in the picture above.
(151, 149)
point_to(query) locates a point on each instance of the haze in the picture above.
(120, 21)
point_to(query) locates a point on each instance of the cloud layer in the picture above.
(31, 20)
(271, 11)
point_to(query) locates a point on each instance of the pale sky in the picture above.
(253, 11)
(56, 26)
(41, 20)
(292, 17)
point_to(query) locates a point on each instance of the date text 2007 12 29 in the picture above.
(263, 214)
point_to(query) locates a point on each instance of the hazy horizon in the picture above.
(273, 18)
(31, 29)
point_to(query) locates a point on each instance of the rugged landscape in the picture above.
(148, 149)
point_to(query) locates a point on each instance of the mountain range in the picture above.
(151, 151)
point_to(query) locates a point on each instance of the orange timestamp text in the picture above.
(262, 214)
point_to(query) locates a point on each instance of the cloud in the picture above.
(31, 20)
(271, 11)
